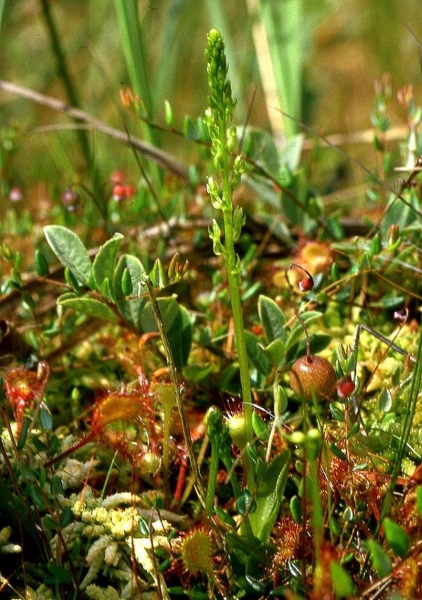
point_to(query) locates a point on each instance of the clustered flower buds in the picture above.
(121, 190)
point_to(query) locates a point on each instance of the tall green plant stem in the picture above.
(228, 172)
(176, 388)
(239, 333)
(233, 277)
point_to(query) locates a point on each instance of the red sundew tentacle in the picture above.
(181, 480)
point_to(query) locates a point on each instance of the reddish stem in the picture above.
(85, 440)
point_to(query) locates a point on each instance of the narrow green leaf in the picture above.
(177, 324)
(396, 537)
(50, 523)
(269, 496)
(42, 477)
(272, 319)
(71, 280)
(180, 337)
(56, 486)
(143, 526)
(127, 286)
(390, 301)
(197, 373)
(380, 558)
(88, 306)
(135, 50)
(168, 114)
(385, 401)
(338, 452)
(104, 263)
(260, 427)
(66, 517)
(260, 469)
(23, 434)
(280, 401)
(283, 24)
(419, 499)
(37, 496)
(225, 517)
(276, 352)
(46, 419)
(59, 574)
(158, 275)
(245, 503)
(189, 129)
(256, 354)
(40, 263)
(106, 289)
(129, 308)
(342, 582)
(70, 251)
(375, 247)
(168, 310)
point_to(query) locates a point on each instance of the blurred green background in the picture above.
(339, 48)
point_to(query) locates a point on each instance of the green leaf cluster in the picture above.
(110, 288)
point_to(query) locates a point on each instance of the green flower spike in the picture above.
(227, 175)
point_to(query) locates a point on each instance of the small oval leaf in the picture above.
(342, 582)
(104, 263)
(70, 251)
(245, 503)
(380, 558)
(260, 427)
(89, 306)
(129, 308)
(385, 401)
(396, 537)
(256, 354)
(272, 318)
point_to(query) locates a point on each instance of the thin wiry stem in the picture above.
(176, 387)
(162, 158)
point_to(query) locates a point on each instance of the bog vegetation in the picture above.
(211, 372)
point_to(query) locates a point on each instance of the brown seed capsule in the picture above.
(313, 377)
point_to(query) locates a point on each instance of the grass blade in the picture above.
(282, 27)
(135, 54)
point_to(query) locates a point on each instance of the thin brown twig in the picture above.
(159, 156)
